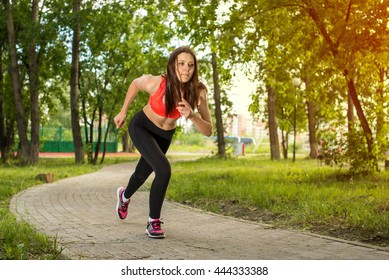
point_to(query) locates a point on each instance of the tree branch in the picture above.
(348, 11)
(341, 34)
(314, 15)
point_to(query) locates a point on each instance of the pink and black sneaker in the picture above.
(121, 207)
(153, 229)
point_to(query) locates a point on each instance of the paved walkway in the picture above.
(80, 211)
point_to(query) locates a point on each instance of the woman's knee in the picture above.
(163, 172)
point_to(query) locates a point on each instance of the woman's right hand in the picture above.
(120, 119)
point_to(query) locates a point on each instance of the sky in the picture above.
(240, 93)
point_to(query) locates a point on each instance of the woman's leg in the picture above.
(161, 180)
(152, 148)
(142, 172)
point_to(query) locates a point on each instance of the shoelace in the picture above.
(156, 224)
(124, 206)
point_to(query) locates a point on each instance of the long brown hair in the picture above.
(174, 86)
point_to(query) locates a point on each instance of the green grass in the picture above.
(302, 195)
(18, 240)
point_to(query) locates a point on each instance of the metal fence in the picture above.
(60, 140)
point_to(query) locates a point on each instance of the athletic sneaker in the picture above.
(121, 207)
(153, 229)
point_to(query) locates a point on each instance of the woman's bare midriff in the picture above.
(161, 122)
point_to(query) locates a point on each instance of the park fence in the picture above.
(60, 140)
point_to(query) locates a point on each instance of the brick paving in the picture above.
(80, 212)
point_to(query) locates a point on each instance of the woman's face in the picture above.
(185, 66)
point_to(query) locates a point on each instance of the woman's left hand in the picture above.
(185, 109)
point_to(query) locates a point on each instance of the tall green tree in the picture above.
(109, 64)
(74, 84)
(348, 37)
(34, 86)
(7, 111)
(38, 59)
(16, 85)
(351, 29)
(4, 146)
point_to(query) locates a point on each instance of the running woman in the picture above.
(176, 94)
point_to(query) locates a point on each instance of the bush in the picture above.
(192, 139)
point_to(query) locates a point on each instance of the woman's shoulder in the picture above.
(149, 83)
(151, 78)
(203, 90)
(202, 87)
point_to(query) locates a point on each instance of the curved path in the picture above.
(80, 212)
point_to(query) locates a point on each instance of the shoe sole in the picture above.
(118, 203)
(154, 236)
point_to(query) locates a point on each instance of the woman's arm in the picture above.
(147, 83)
(201, 121)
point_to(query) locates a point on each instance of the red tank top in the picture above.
(157, 104)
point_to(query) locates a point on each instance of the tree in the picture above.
(311, 123)
(5, 142)
(16, 86)
(273, 127)
(358, 27)
(34, 78)
(328, 39)
(7, 116)
(38, 62)
(109, 64)
(74, 84)
(218, 112)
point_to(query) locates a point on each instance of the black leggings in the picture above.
(152, 143)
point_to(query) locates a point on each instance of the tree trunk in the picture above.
(74, 91)
(285, 143)
(6, 124)
(16, 86)
(350, 121)
(2, 113)
(105, 138)
(284, 139)
(34, 99)
(126, 146)
(273, 134)
(9, 139)
(109, 120)
(218, 111)
(99, 131)
(361, 115)
(381, 126)
(88, 130)
(350, 112)
(312, 130)
(311, 123)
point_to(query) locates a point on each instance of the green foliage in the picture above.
(196, 139)
(284, 42)
(121, 40)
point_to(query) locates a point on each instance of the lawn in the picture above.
(304, 195)
(18, 240)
